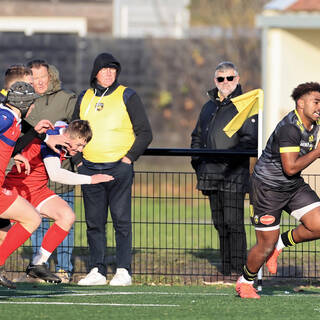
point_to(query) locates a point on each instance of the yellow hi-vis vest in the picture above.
(112, 131)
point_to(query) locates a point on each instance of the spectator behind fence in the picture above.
(225, 180)
(55, 104)
(276, 184)
(121, 133)
(18, 73)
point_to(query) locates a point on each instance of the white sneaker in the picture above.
(93, 278)
(121, 278)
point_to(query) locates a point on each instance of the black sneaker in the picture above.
(4, 281)
(41, 271)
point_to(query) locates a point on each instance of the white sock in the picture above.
(243, 280)
(41, 257)
(280, 245)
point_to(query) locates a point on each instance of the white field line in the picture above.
(91, 304)
(90, 293)
(106, 293)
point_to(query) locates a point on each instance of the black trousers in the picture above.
(97, 198)
(227, 210)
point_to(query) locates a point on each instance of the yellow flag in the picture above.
(248, 104)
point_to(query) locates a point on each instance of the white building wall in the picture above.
(156, 18)
(292, 57)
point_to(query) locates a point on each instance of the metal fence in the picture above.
(174, 240)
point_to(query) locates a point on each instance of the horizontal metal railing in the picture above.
(174, 239)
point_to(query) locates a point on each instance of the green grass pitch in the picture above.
(47, 301)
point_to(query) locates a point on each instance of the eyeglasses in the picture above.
(229, 78)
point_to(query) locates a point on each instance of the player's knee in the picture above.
(37, 220)
(312, 225)
(73, 218)
(69, 218)
(34, 221)
(266, 247)
(268, 251)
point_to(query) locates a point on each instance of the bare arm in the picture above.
(292, 163)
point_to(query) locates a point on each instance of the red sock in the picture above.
(16, 236)
(53, 237)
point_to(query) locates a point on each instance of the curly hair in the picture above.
(304, 88)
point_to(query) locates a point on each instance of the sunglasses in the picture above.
(229, 78)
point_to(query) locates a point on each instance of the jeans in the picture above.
(64, 250)
(98, 198)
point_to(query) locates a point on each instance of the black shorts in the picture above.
(266, 204)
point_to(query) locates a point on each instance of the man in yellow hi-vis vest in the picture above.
(121, 133)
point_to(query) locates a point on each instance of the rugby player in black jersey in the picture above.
(276, 184)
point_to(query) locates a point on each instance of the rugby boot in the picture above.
(4, 281)
(41, 271)
(246, 290)
(272, 261)
(238, 285)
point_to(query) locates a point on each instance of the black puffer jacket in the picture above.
(224, 174)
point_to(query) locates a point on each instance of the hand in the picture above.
(43, 125)
(19, 159)
(58, 139)
(126, 160)
(97, 178)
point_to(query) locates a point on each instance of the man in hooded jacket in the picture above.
(54, 104)
(121, 133)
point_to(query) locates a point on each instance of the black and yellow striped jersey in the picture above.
(289, 136)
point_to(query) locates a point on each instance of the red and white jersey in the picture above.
(38, 178)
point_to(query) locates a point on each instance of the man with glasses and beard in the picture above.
(225, 180)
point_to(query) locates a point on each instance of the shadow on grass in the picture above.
(212, 256)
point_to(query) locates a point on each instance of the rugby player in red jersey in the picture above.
(18, 104)
(44, 164)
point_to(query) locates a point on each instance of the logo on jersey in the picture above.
(256, 219)
(306, 144)
(4, 117)
(267, 219)
(99, 106)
